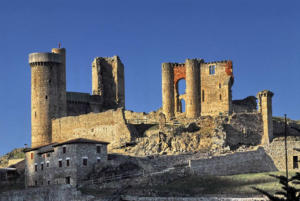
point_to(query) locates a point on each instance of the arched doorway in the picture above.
(180, 88)
(182, 105)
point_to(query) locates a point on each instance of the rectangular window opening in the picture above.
(59, 163)
(64, 150)
(295, 162)
(98, 149)
(84, 161)
(68, 162)
(35, 167)
(212, 69)
(68, 180)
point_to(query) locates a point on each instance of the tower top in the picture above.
(45, 57)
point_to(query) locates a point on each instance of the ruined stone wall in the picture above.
(108, 81)
(237, 163)
(276, 150)
(243, 129)
(247, 104)
(107, 126)
(83, 103)
(142, 117)
(216, 94)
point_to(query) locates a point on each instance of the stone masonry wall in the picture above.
(216, 88)
(237, 163)
(276, 150)
(107, 126)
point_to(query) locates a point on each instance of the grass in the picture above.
(233, 185)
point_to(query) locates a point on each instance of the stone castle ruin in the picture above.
(213, 124)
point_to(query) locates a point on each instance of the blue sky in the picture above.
(262, 38)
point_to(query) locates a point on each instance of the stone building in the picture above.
(208, 88)
(50, 100)
(68, 162)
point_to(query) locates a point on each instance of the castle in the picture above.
(75, 121)
(208, 92)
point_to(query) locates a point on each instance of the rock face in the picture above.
(205, 134)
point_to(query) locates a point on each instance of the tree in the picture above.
(288, 192)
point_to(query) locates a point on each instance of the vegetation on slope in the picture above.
(14, 154)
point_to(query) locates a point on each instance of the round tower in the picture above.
(61, 83)
(168, 90)
(46, 95)
(192, 88)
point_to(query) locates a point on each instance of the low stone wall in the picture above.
(276, 150)
(237, 163)
(52, 193)
(135, 198)
(106, 126)
(131, 116)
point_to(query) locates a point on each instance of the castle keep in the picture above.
(208, 88)
(50, 100)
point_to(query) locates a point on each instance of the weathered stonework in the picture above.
(265, 108)
(109, 126)
(208, 88)
(108, 81)
(48, 94)
(57, 162)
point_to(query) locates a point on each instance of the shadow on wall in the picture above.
(236, 138)
(237, 163)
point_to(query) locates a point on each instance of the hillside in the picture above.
(14, 154)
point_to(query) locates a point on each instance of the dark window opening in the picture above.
(202, 95)
(46, 97)
(68, 162)
(59, 163)
(35, 168)
(48, 182)
(98, 149)
(64, 150)
(35, 114)
(98, 160)
(42, 166)
(84, 161)
(68, 180)
(35, 183)
(220, 97)
(47, 164)
(295, 162)
(49, 81)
